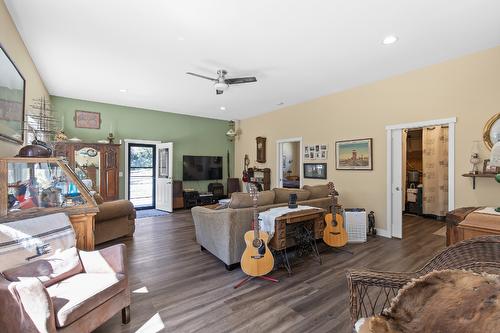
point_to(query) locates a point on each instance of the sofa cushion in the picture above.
(244, 200)
(74, 297)
(49, 270)
(282, 194)
(317, 191)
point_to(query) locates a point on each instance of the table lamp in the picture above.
(495, 161)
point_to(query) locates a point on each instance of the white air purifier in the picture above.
(355, 224)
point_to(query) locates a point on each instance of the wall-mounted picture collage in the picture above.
(316, 152)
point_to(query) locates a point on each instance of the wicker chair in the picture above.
(371, 291)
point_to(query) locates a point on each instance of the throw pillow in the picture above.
(244, 200)
(317, 191)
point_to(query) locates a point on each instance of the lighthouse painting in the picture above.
(354, 154)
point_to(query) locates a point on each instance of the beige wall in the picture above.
(467, 88)
(13, 44)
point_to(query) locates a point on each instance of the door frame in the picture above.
(450, 122)
(126, 147)
(278, 160)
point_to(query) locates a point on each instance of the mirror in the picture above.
(491, 133)
(87, 162)
(12, 92)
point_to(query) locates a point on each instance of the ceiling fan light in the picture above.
(221, 86)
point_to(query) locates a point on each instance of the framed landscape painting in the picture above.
(354, 154)
(87, 119)
(12, 94)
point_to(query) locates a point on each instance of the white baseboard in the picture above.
(383, 233)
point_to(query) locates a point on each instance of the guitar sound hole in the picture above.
(257, 243)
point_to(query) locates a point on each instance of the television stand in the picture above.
(205, 198)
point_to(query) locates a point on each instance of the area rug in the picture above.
(440, 232)
(140, 214)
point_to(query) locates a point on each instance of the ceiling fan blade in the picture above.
(238, 80)
(219, 92)
(202, 76)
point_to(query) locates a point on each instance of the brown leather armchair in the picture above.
(115, 219)
(74, 292)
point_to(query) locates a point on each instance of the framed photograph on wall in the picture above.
(315, 170)
(487, 168)
(87, 119)
(354, 154)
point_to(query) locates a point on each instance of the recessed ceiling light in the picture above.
(223, 108)
(391, 39)
(180, 38)
(123, 90)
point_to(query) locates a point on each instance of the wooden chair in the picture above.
(371, 291)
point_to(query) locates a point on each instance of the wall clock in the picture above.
(261, 149)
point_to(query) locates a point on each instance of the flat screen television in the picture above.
(201, 167)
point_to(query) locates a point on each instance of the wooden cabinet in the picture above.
(261, 176)
(98, 161)
(178, 195)
(464, 223)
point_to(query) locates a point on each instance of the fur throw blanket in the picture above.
(442, 301)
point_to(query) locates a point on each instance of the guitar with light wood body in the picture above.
(334, 234)
(257, 259)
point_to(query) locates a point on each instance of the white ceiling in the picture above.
(297, 49)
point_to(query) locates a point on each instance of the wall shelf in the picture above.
(478, 175)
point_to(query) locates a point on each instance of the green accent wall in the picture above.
(190, 135)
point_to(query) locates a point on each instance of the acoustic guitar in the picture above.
(334, 234)
(257, 259)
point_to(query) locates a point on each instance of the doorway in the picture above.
(404, 179)
(142, 175)
(289, 163)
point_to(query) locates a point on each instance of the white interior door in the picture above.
(396, 183)
(164, 186)
(280, 165)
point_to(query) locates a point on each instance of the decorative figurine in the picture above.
(61, 136)
(371, 224)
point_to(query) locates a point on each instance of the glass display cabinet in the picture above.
(32, 187)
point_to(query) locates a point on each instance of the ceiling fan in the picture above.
(221, 83)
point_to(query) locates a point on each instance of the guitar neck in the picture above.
(256, 225)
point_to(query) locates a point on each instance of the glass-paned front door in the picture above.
(141, 160)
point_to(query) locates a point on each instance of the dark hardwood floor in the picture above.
(177, 288)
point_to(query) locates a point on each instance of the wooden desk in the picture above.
(313, 222)
(279, 240)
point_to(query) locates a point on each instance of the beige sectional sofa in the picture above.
(220, 231)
